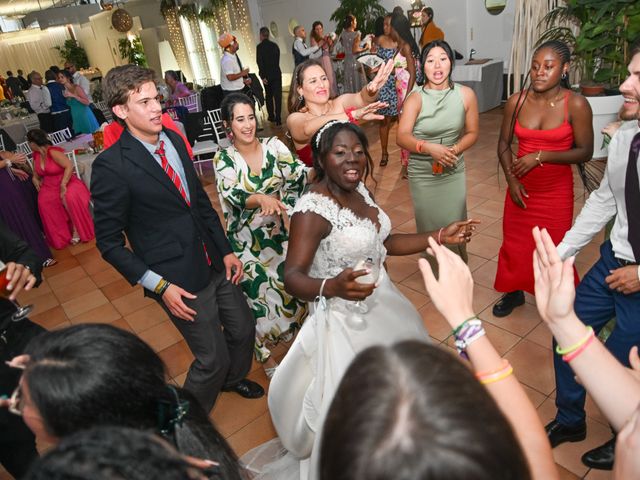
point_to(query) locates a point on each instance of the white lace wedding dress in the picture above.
(305, 382)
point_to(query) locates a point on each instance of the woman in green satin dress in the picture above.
(438, 123)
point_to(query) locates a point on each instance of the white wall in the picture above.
(490, 35)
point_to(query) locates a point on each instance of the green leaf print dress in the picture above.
(260, 242)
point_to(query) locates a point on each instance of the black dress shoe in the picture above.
(246, 388)
(507, 303)
(558, 433)
(601, 457)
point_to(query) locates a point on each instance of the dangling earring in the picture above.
(564, 75)
(300, 98)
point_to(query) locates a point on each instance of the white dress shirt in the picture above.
(39, 98)
(84, 83)
(302, 48)
(606, 202)
(229, 65)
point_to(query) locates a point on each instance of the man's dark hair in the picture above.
(121, 81)
(264, 31)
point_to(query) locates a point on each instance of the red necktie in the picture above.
(168, 169)
(175, 178)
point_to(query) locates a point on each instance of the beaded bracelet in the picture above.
(565, 351)
(571, 356)
(496, 375)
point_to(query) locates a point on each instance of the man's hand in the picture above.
(624, 280)
(20, 278)
(172, 298)
(233, 266)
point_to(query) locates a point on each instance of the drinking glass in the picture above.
(356, 320)
(21, 312)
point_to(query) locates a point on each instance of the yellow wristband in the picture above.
(500, 376)
(575, 346)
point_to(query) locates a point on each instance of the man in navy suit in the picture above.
(145, 186)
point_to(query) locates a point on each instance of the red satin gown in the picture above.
(549, 205)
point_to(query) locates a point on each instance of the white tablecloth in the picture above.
(485, 80)
(84, 160)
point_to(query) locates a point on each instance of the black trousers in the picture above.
(273, 93)
(46, 122)
(221, 338)
(62, 120)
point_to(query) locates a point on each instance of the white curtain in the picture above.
(31, 49)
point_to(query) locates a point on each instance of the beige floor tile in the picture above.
(51, 318)
(119, 288)
(161, 336)
(484, 298)
(521, 321)
(568, 454)
(60, 280)
(494, 230)
(533, 365)
(594, 474)
(31, 295)
(434, 322)
(177, 358)
(253, 434)
(566, 474)
(44, 302)
(84, 303)
(103, 314)
(232, 412)
(485, 275)
(146, 317)
(400, 268)
(62, 266)
(122, 324)
(474, 261)
(105, 277)
(490, 208)
(535, 396)
(72, 290)
(131, 302)
(484, 246)
(541, 335)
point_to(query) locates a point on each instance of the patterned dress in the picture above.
(260, 242)
(388, 91)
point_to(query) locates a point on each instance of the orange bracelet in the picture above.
(496, 375)
(419, 145)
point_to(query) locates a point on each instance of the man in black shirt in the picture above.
(268, 56)
(14, 85)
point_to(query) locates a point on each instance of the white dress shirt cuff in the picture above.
(565, 250)
(150, 280)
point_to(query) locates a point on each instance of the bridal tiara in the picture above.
(325, 127)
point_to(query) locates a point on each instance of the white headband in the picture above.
(326, 126)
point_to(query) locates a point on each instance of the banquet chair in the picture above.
(60, 136)
(106, 111)
(72, 156)
(215, 117)
(26, 149)
(192, 102)
(31, 122)
(1, 143)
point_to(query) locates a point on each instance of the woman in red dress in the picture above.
(553, 127)
(63, 200)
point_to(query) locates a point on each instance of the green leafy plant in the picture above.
(132, 51)
(365, 11)
(188, 11)
(71, 51)
(601, 45)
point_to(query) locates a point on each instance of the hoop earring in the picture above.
(300, 98)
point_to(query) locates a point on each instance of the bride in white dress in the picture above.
(336, 227)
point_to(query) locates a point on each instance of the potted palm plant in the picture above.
(599, 33)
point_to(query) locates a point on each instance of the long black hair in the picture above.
(401, 25)
(95, 375)
(322, 143)
(413, 411)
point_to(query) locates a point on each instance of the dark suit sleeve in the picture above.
(260, 61)
(14, 249)
(111, 198)
(212, 220)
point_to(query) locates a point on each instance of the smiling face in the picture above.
(437, 68)
(345, 163)
(315, 85)
(630, 90)
(142, 113)
(319, 30)
(546, 70)
(243, 124)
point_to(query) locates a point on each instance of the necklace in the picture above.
(553, 101)
(326, 110)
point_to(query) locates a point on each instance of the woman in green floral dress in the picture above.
(258, 181)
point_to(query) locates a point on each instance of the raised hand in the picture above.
(458, 232)
(452, 292)
(368, 112)
(380, 79)
(554, 281)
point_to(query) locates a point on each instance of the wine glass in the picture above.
(21, 312)
(356, 321)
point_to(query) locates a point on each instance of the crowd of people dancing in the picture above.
(300, 258)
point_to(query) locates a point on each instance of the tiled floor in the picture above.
(84, 288)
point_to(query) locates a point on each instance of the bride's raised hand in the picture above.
(345, 285)
(458, 232)
(380, 79)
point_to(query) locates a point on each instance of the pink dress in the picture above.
(402, 86)
(58, 219)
